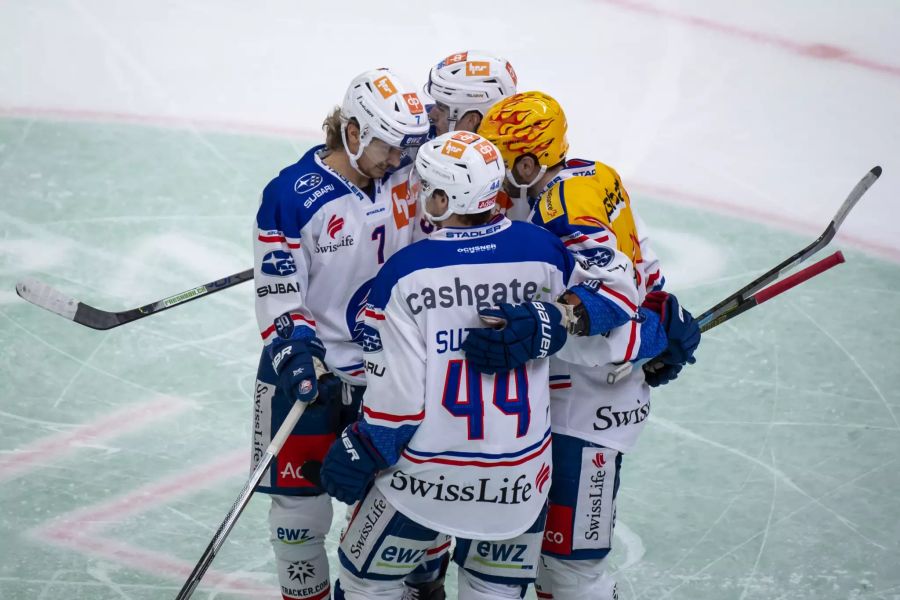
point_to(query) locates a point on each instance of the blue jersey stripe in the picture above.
(534, 446)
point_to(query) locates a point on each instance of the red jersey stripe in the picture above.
(393, 418)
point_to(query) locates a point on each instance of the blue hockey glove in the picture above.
(529, 330)
(683, 335)
(350, 466)
(293, 363)
(657, 373)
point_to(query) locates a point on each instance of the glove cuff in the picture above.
(365, 444)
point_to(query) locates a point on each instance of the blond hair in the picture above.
(332, 127)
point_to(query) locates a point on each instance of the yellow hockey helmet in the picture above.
(527, 123)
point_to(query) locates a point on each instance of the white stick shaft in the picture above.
(242, 500)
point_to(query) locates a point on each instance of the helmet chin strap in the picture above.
(523, 188)
(359, 152)
(433, 218)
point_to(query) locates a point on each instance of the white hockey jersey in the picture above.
(319, 242)
(478, 462)
(587, 206)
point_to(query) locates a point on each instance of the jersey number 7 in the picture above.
(469, 403)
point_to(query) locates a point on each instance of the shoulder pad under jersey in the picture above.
(304, 187)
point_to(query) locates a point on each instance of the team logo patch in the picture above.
(370, 340)
(335, 224)
(453, 149)
(301, 570)
(475, 68)
(600, 257)
(385, 87)
(278, 263)
(414, 104)
(307, 183)
(356, 312)
(542, 478)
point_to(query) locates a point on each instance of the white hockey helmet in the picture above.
(472, 80)
(386, 108)
(463, 165)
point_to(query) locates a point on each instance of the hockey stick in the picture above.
(49, 298)
(765, 294)
(243, 498)
(797, 259)
(712, 317)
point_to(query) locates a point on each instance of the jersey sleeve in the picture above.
(394, 357)
(592, 216)
(651, 276)
(280, 273)
(601, 240)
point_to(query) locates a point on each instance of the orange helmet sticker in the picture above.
(486, 149)
(475, 68)
(466, 137)
(385, 87)
(455, 58)
(453, 149)
(414, 104)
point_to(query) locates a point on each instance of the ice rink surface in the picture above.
(135, 138)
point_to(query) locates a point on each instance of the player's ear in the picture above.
(470, 121)
(525, 168)
(352, 136)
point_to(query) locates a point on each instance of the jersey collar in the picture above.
(360, 195)
(494, 226)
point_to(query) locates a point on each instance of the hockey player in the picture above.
(585, 204)
(464, 86)
(324, 227)
(451, 452)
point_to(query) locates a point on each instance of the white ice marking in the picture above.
(762, 545)
(98, 572)
(813, 501)
(678, 430)
(75, 358)
(855, 362)
(79, 370)
(634, 546)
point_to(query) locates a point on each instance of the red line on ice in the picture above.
(80, 529)
(670, 194)
(748, 213)
(57, 446)
(826, 52)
